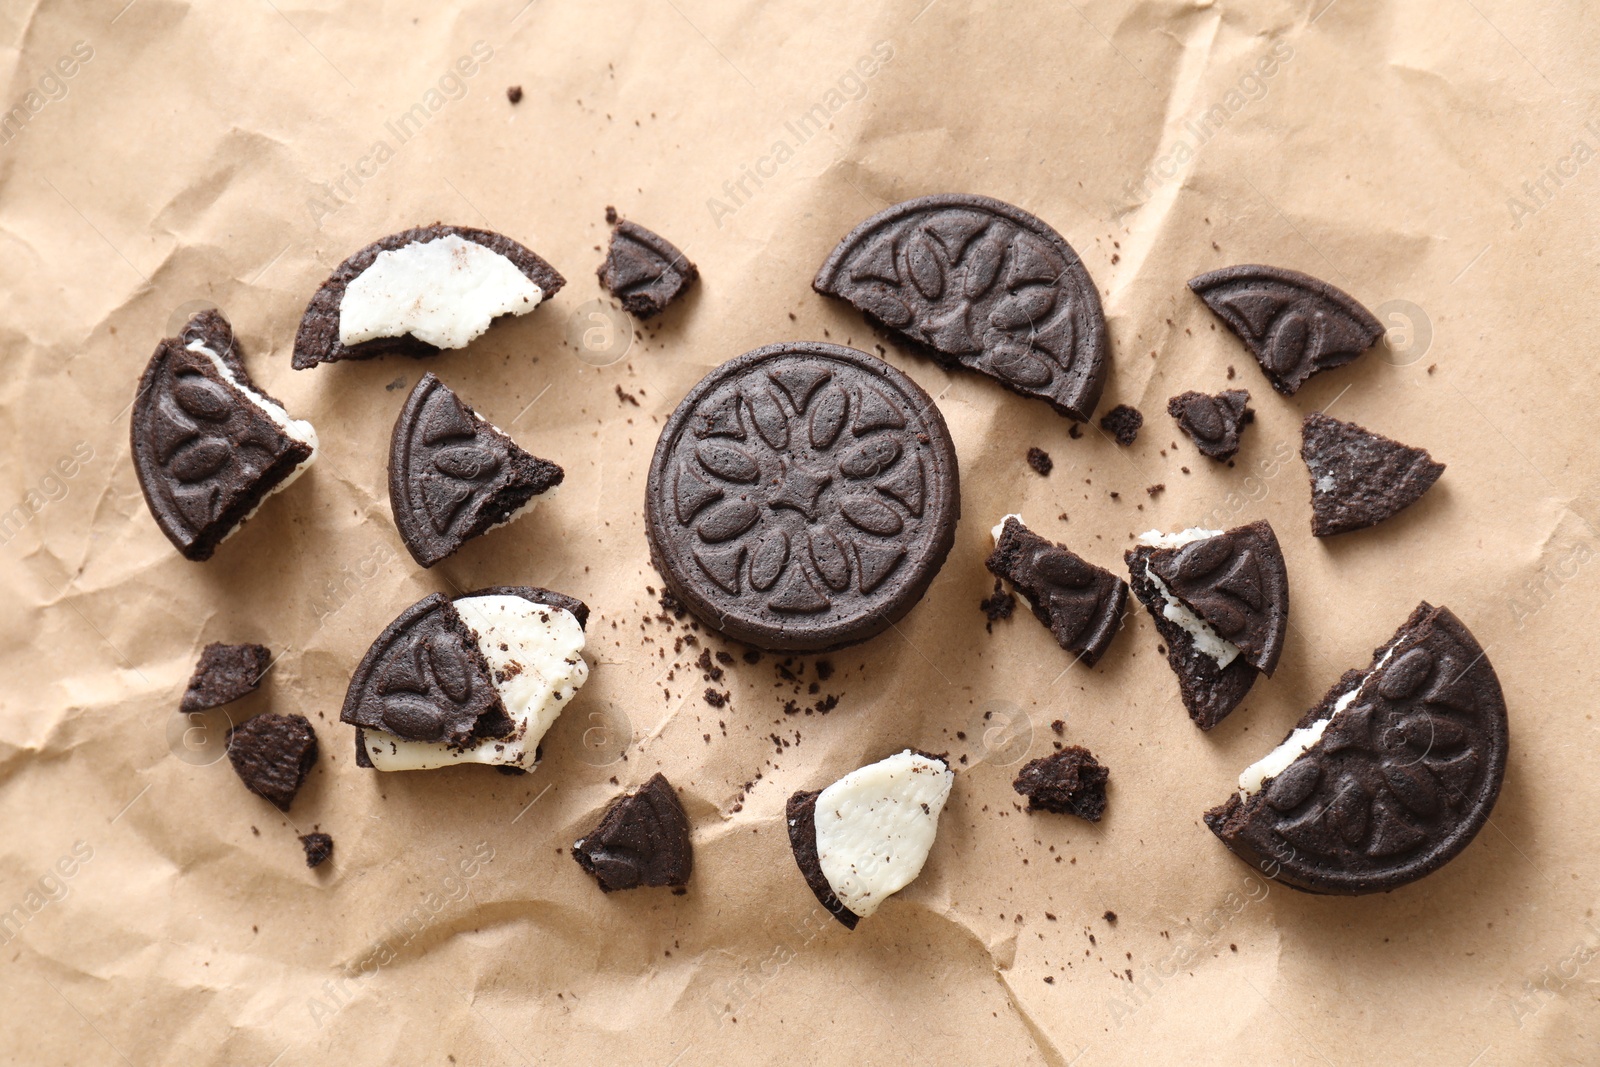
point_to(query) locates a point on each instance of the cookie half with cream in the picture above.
(419, 292)
(1220, 601)
(475, 679)
(866, 836)
(208, 446)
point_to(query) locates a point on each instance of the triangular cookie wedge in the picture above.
(1359, 478)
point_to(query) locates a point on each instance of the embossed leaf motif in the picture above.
(872, 515)
(203, 399)
(469, 463)
(412, 717)
(1406, 674)
(728, 462)
(1062, 569)
(983, 264)
(1024, 309)
(830, 558)
(201, 460)
(923, 263)
(1291, 788)
(1290, 337)
(870, 458)
(766, 563)
(452, 669)
(1017, 362)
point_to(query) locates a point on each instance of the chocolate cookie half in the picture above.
(419, 291)
(1213, 423)
(802, 497)
(208, 446)
(453, 476)
(1359, 478)
(1079, 603)
(973, 282)
(1385, 780)
(476, 679)
(642, 840)
(1293, 324)
(224, 674)
(866, 836)
(644, 270)
(1220, 601)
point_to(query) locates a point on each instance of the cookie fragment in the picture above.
(272, 754)
(208, 446)
(1293, 324)
(642, 840)
(1386, 779)
(420, 291)
(453, 476)
(1122, 423)
(1041, 462)
(1359, 478)
(1080, 604)
(643, 269)
(1213, 423)
(319, 848)
(974, 282)
(1068, 782)
(224, 674)
(870, 832)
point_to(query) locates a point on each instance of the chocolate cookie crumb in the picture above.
(1110, 917)
(1041, 462)
(1159, 487)
(1069, 782)
(513, 94)
(224, 674)
(319, 847)
(1122, 422)
(998, 606)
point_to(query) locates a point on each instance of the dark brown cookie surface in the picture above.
(1237, 582)
(1402, 778)
(1295, 325)
(642, 840)
(800, 815)
(644, 270)
(1079, 603)
(976, 283)
(272, 754)
(1068, 782)
(1213, 423)
(1209, 692)
(317, 340)
(1359, 478)
(205, 455)
(224, 674)
(452, 476)
(1123, 423)
(802, 497)
(319, 848)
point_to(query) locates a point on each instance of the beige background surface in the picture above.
(227, 154)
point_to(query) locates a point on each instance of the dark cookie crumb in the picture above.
(1041, 462)
(1122, 422)
(514, 94)
(1110, 917)
(1159, 487)
(998, 606)
(611, 215)
(716, 699)
(1070, 781)
(319, 847)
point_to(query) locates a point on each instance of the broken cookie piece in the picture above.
(1068, 782)
(476, 679)
(1213, 423)
(208, 446)
(642, 840)
(224, 674)
(319, 848)
(1220, 601)
(644, 270)
(1079, 603)
(421, 291)
(272, 754)
(1359, 478)
(453, 476)
(1122, 423)
(1385, 780)
(866, 836)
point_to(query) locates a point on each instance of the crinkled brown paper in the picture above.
(1437, 160)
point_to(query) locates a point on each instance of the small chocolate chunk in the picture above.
(1359, 478)
(1041, 462)
(643, 269)
(642, 840)
(997, 605)
(224, 674)
(272, 754)
(514, 94)
(1068, 782)
(1213, 423)
(1122, 422)
(319, 848)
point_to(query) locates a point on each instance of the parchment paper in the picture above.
(1437, 160)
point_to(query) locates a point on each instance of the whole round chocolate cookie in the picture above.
(802, 497)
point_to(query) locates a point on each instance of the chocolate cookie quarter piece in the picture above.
(272, 754)
(866, 836)
(1385, 780)
(1293, 324)
(453, 476)
(224, 674)
(1213, 423)
(642, 840)
(1067, 782)
(644, 270)
(420, 291)
(476, 679)
(802, 497)
(973, 282)
(1359, 478)
(1220, 601)
(1079, 603)
(208, 446)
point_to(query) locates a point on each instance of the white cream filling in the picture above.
(444, 292)
(1301, 738)
(1206, 640)
(535, 653)
(298, 429)
(1000, 527)
(876, 825)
